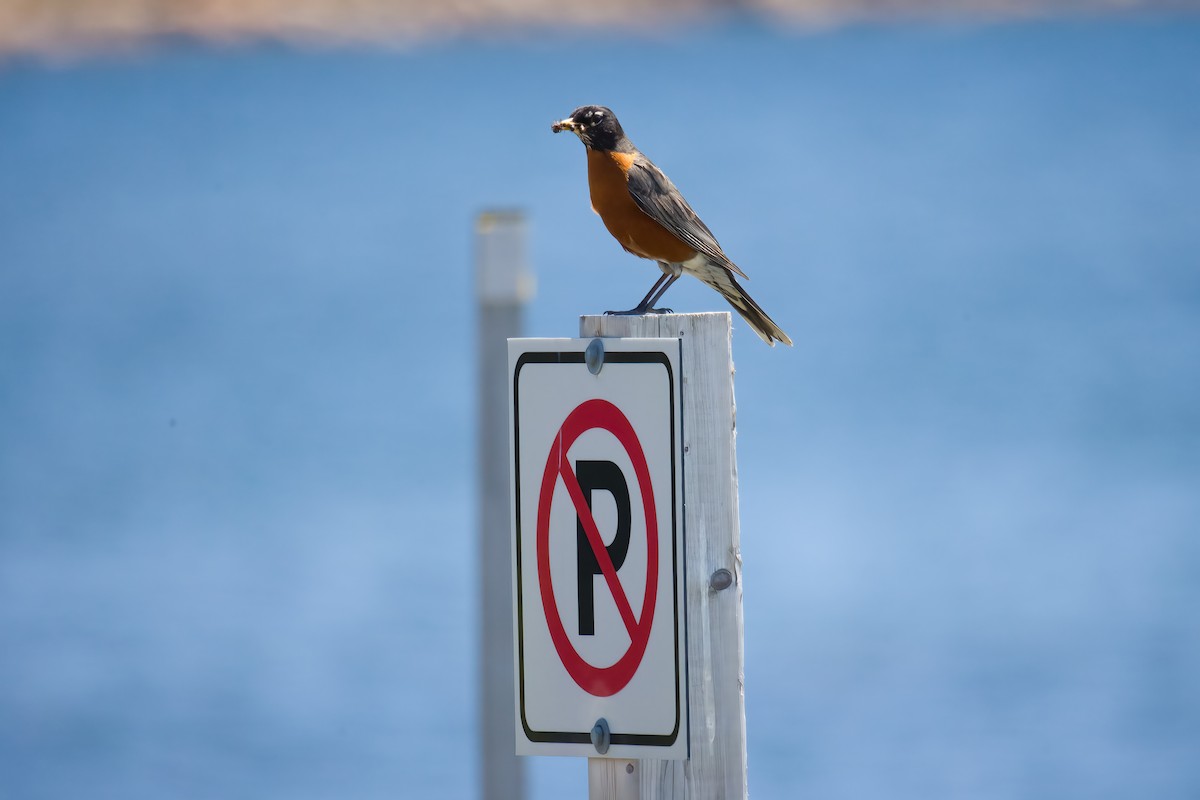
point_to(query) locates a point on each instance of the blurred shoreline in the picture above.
(69, 28)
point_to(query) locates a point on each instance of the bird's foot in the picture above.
(637, 312)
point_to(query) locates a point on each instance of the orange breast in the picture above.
(633, 228)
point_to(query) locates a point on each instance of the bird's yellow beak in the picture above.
(567, 124)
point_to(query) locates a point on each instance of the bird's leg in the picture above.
(661, 292)
(656, 291)
(642, 307)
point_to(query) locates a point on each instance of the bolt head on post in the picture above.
(720, 580)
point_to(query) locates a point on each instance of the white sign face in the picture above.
(598, 568)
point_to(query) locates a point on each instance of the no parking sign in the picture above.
(598, 561)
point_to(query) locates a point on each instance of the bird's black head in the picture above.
(596, 127)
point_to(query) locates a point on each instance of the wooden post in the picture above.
(615, 779)
(716, 768)
(503, 286)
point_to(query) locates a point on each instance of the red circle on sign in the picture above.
(597, 681)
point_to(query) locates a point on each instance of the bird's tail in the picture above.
(721, 279)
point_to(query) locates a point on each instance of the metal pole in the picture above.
(503, 285)
(716, 766)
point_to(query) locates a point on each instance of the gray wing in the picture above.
(657, 197)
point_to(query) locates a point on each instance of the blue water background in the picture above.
(236, 400)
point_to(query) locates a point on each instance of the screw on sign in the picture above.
(589, 415)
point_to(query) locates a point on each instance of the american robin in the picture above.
(648, 216)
